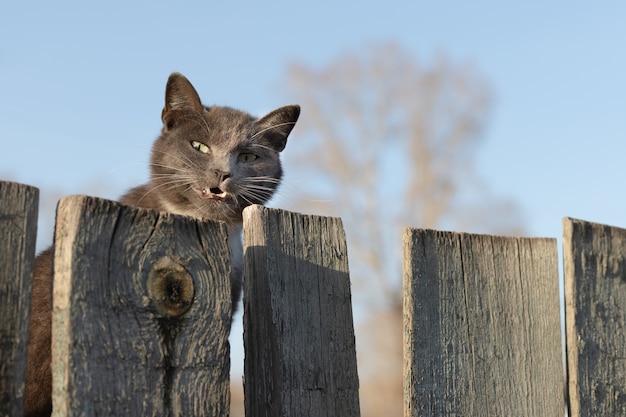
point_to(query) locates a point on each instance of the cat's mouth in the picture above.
(213, 193)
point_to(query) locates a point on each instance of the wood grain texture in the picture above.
(300, 357)
(594, 257)
(117, 349)
(18, 231)
(482, 328)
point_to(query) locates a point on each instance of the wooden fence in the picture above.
(141, 316)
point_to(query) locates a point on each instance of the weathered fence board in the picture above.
(18, 230)
(594, 259)
(298, 332)
(482, 328)
(141, 313)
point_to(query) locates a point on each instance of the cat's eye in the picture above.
(199, 146)
(247, 157)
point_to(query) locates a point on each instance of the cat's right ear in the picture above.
(277, 125)
(180, 98)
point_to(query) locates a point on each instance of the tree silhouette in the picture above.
(389, 143)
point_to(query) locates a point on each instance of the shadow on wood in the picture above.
(298, 332)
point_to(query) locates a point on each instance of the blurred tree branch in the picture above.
(389, 143)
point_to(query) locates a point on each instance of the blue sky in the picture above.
(82, 85)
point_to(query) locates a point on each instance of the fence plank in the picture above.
(298, 332)
(482, 328)
(594, 258)
(141, 312)
(18, 230)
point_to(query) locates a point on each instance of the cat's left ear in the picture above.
(276, 126)
(180, 98)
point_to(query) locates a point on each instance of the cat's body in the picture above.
(208, 163)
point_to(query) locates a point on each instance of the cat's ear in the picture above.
(275, 126)
(180, 98)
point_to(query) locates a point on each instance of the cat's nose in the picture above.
(221, 175)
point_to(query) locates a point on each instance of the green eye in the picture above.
(247, 157)
(199, 146)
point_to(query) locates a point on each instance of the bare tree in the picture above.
(391, 143)
(387, 143)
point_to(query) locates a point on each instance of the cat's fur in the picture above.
(208, 163)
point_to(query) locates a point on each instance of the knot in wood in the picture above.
(170, 287)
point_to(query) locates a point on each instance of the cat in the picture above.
(208, 163)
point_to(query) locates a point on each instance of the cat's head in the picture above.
(212, 162)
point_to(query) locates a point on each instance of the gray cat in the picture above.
(208, 163)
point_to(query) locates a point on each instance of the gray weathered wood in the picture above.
(18, 230)
(594, 257)
(300, 357)
(141, 313)
(482, 328)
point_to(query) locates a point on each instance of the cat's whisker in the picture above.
(169, 180)
(248, 194)
(181, 158)
(182, 176)
(243, 197)
(260, 190)
(258, 195)
(170, 167)
(189, 161)
(260, 179)
(179, 172)
(261, 185)
(284, 196)
(258, 187)
(169, 185)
